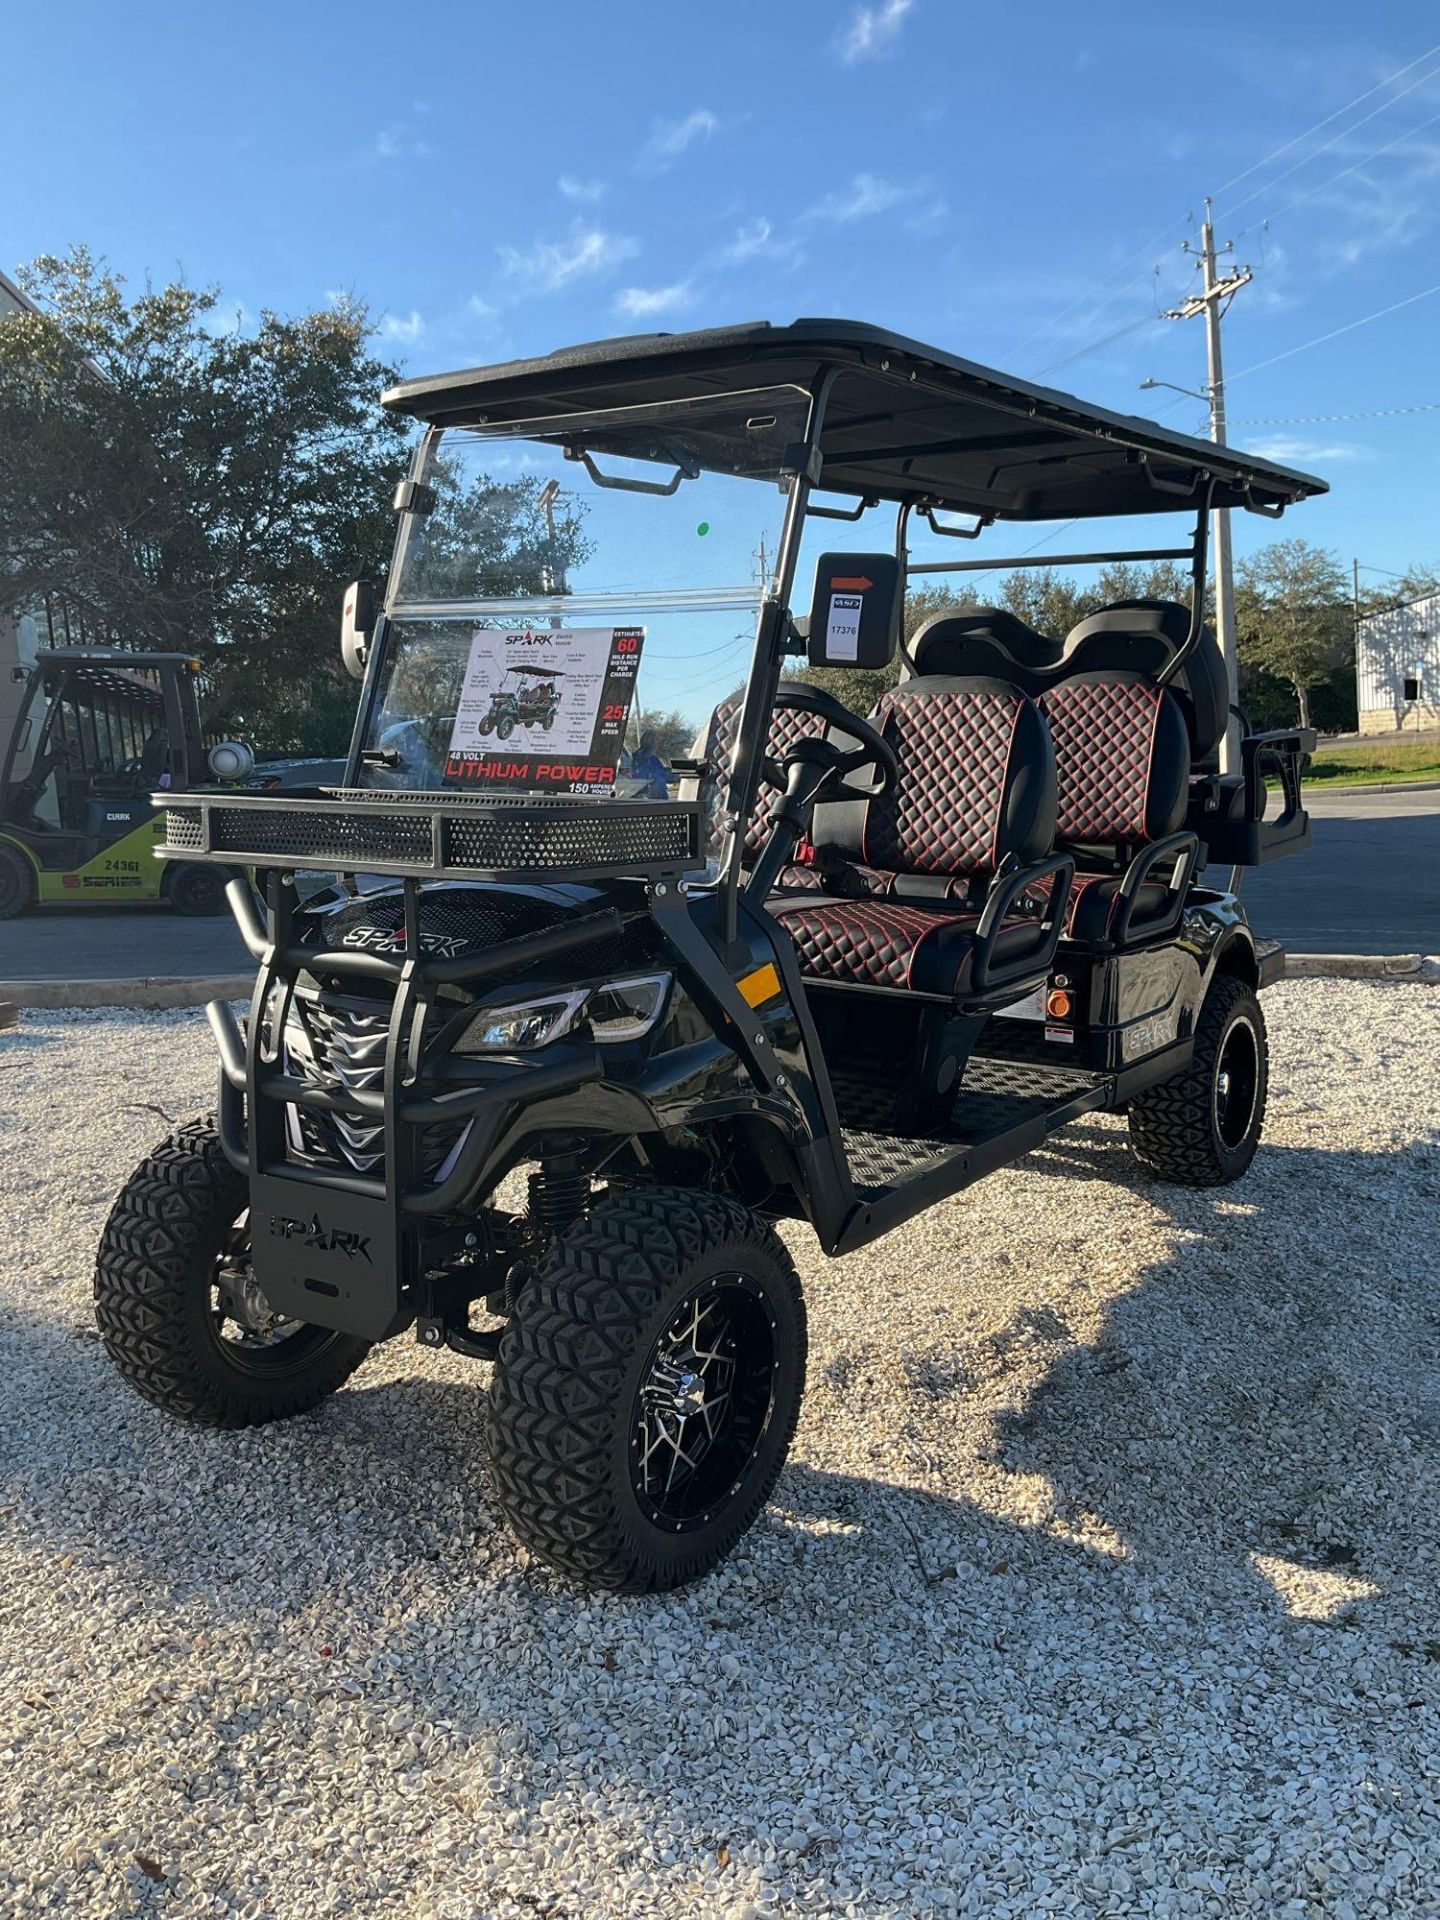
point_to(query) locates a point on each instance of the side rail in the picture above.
(1234, 815)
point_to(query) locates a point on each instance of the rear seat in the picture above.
(1124, 748)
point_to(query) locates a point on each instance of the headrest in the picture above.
(989, 641)
(1143, 636)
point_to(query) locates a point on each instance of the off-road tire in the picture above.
(153, 1302)
(1177, 1128)
(17, 883)
(196, 890)
(505, 726)
(571, 1362)
(486, 724)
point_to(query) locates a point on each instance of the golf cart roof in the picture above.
(133, 659)
(537, 673)
(905, 422)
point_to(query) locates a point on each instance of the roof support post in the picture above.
(771, 634)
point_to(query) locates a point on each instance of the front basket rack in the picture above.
(435, 835)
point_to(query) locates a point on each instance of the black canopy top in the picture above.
(904, 421)
(537, 673)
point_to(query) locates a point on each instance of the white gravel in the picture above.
(1103, 1579)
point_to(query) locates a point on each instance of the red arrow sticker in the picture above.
(856, 583)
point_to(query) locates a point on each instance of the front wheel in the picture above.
(1201, 1129)
(178, 1307)
(197, 890)
(17, 883)
(647, 1390)
(487, 724)
(505, 726)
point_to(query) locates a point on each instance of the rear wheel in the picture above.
(647, 1390)
(178, 1307)
(1201, 1129)
(17, 883)
(195, 889)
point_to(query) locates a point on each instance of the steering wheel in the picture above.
(839, 768)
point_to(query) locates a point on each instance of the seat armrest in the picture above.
(1288, 746)
(1005, 889)
(1183, 850)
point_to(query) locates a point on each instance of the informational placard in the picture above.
(544, 708)
(842, 630)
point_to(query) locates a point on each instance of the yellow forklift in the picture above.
(98, 731)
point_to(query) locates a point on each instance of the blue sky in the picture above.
(1003, 181)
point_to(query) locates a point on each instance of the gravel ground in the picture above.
(1104, 1579)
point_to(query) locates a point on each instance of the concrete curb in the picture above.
(1362, 966)
(1314, 788)
(151, 994)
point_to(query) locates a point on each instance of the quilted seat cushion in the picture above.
(885, 943)
(1122, 760)
(1090, 913)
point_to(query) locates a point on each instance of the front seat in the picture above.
(944, 858)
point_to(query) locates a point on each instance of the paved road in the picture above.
(1370, 884)
(118, 943)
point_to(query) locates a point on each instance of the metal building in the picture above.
(1397, 667)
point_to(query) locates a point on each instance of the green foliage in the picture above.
(1054, 603)
(1293, 616)
(183, 487)
(673, 733)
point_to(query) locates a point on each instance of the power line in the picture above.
(1389, 80)
(1315, 419)
(1105, 340)
(1310, 192)
(1325, 146)
(1335, 333)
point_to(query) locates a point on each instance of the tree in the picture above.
(182, 487)
(1293, 616)
(673, 733)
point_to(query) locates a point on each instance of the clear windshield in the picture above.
(551, 631)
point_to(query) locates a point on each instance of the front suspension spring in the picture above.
(559, 1193)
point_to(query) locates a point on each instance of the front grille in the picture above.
(342, 1048)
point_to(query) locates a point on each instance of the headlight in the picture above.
(618, 1010)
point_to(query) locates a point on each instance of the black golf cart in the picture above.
(534, 702)
(537, 1073)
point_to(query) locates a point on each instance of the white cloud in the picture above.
(396, 329)
(549, 265)
(669, 138)
(756, 240)
(1294, 451)
(861, 200)
(398, 143)
(586, 192)
(871, 32)
(644, 303)
(479, 309)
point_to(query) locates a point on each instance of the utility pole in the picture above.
(1212, 302)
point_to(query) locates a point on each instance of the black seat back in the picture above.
(1143, 636)
(977, 783)
(989, 642)
(1122, 756)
